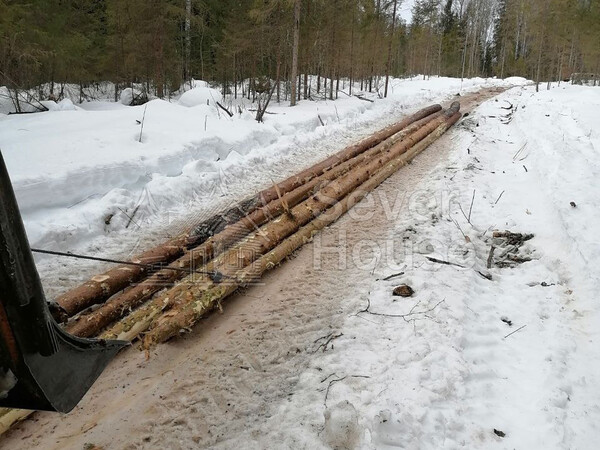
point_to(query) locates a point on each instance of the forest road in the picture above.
(228, 376)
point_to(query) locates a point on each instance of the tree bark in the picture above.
(117, 307)
(199, 299)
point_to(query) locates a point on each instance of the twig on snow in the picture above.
(337, 380)
(411, 313)
(516, 331)
(490, 259)
(328, 339)
(364, 98)
(468, 217)
(519, 152)
(399, 274)
(501, 194)
(455, 222)
(487, 276)
(441, 261)
(229, 113)
(131, 217)
(143, 119)
(471, 207)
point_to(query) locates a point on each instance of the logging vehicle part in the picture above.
(42, 367)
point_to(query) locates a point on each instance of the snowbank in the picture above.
(72, 169)
(200, 96)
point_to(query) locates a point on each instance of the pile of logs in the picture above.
(175, 284)
(201, 268)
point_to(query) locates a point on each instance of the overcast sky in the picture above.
(406, 9)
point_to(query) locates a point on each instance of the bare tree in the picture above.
(294, 74)
(389, 61)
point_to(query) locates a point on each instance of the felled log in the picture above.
(91, 324)
(207, 229)
(101, 287)
(204, 300)
(242, 254)
(8, 417)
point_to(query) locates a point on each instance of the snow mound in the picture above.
(341, 426)
(199, 84)
(126, 97)
(517, 81)
(65, 105)
(200, 96)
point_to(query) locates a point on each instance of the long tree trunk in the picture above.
(389, 59)
(294, 74)
(92, 323)
(191, 303)
(188, 42)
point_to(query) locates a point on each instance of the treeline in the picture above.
(161, 44)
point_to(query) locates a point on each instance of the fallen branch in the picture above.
(225, 109)
(412, 311)
(501, 194)
(490, 259)
(447, 263)
(516, 331)
(360, 97)
(393, 276)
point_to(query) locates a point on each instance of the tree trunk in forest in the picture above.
(294, 73)
(188, 42)
(306, 85)
(539, 66)
(389, 59)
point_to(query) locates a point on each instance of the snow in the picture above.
(126, 97)
(441, 369)
(200, 96)
(449, 373)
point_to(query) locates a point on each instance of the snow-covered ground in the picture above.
(449, 373)
(325, 356)
(85, 183)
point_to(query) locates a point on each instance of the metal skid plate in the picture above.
(41, 366)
